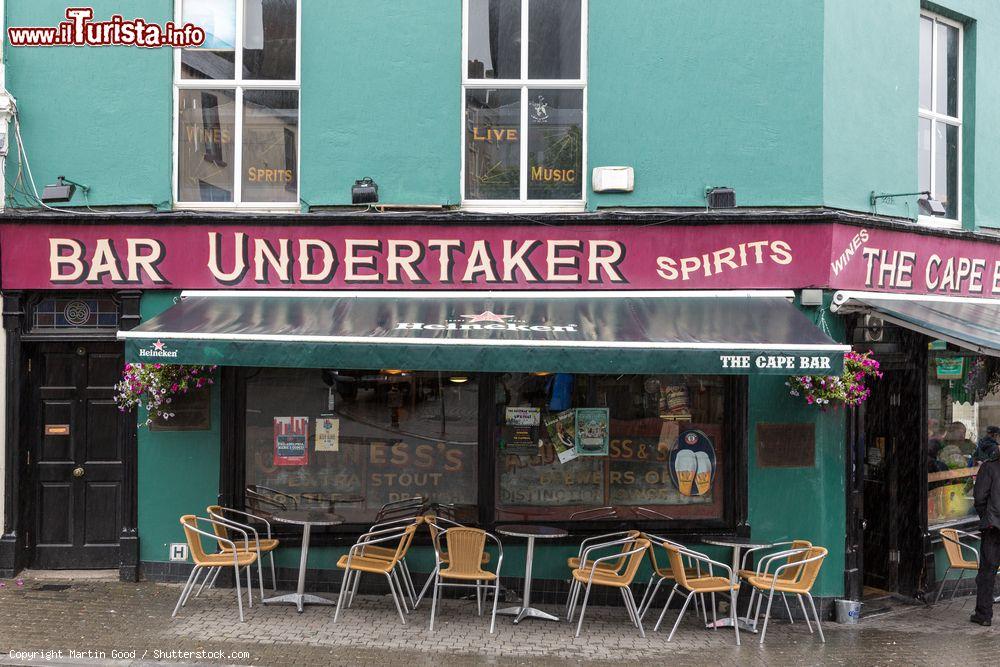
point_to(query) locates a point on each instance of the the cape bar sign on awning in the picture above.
(494, 257)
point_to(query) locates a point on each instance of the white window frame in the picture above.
(935, 116)
(238, 84)
(523, 204)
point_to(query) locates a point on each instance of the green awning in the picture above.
(967, 322)
(582, 332)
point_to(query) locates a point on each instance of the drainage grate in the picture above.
(54, 587)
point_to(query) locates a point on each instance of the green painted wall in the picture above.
(98, 116)
(695, 94)
(381, 97)
(178, 470)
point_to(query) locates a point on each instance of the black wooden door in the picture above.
(76, 455)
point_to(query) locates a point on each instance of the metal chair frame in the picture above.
(479, 586)
(734, 593)
(249, 528)
(435, 532)
(573, 583)
(651, 589)
(763, 568)
(192, 579)
(409, 587)
(961, 571)
(368, 539)
(629, 599)
(743, 566)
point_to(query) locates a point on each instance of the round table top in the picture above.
(543, 532)
(736, 542)
(312, 517)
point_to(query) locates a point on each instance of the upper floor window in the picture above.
(940, 129)
(236, 135)
(524, 96)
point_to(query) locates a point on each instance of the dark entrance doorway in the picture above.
(893, 468)
(76, 455)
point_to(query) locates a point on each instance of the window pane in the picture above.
(216, 58)
(494, 39)
(555, 144)
(269, 39)
(947, 70)
(270, 145)
(554, 39)
(492, 144)
(924, 154)
(205, 145)
(926, 61)
(389, 437)
(946, 167)
(664, 459)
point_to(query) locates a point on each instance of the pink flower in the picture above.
(174, 387)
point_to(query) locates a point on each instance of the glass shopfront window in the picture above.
(497, 447)
(963, 400)
(610, 446)
(355, 440)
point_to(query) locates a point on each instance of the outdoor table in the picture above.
(736, 544)
(307, 519)
(530, 532)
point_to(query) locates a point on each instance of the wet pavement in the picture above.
(110, 622)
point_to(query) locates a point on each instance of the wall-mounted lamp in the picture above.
(364, 191)
(459, 379)
(720, 197)
(62, 191)
(928, 205)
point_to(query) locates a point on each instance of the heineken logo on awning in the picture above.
(157, 349)
(486, 321)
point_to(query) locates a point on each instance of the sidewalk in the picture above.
(103, 617)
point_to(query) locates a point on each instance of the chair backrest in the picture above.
(190, 524)
(639, 547)
(950, 540)
(465, 549)
(676, 563)
(218, 527)
(809, 571)
(404, 541)
(617, 564)
(792, 573)
(655, 541)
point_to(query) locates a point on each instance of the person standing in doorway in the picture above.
(987, 500)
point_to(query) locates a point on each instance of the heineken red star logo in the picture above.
(487, 316)
(158, 345)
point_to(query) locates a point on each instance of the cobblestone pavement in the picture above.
(103, 617)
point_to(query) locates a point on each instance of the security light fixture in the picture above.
(62, 191)
(928, 205)
(720, 197)
(364, 191)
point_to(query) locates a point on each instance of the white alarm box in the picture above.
(613, 179)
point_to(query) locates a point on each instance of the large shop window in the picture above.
(355, 440)
(524, 92)
(237, 104)
(963, 400)
(611, 446)
(940, 113)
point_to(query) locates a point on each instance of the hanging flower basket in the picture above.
(155, 386)
(847, 389)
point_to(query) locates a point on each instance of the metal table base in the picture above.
(300, 598)
(526, 610)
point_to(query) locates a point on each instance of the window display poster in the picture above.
(327, 434)
(520, 429)
(592, 427)
(562, 434)
(291, 441)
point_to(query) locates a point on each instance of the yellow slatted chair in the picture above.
(388, 553)
(466, 548)
(574, 562)
(355, 563)
(796, 546)
(207, 562)
(621, 579)
(770, 582)
(661, 571)
(955, 550)
(699, 585)
(262, 545)
(435, 525)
